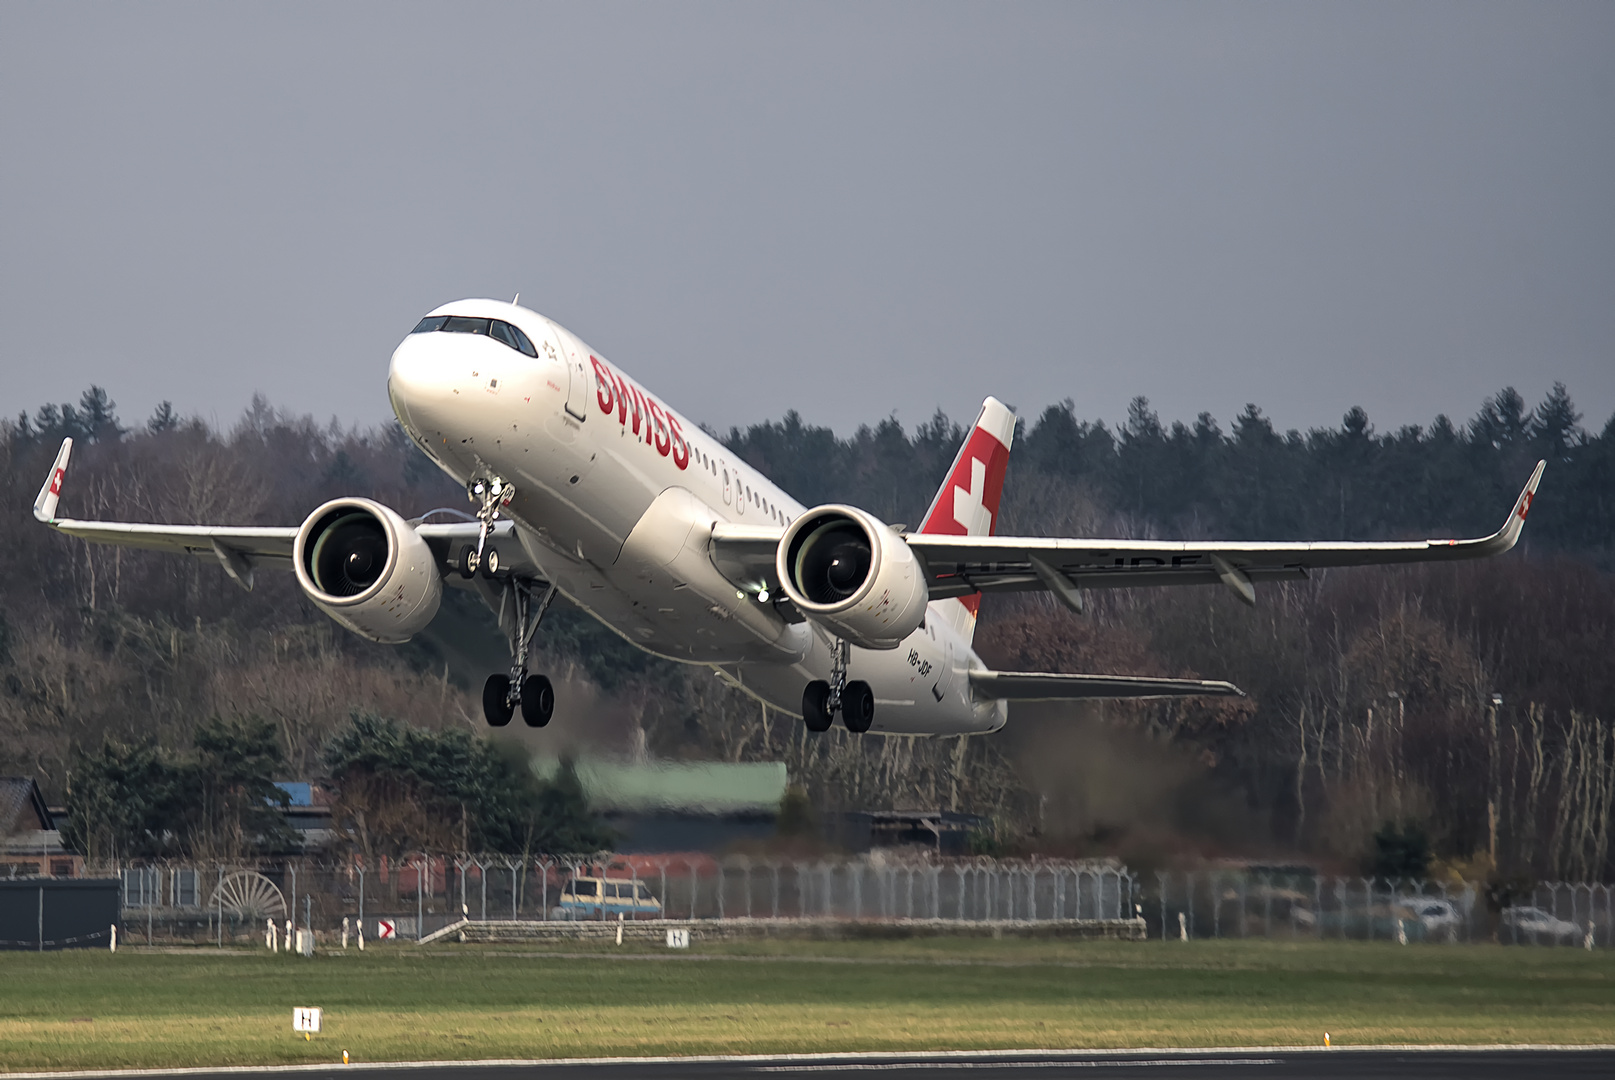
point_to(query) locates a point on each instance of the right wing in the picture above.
(961, 565)
(964, 565)
(1041, 686)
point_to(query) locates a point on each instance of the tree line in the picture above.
(392, 790)
(1371, 690)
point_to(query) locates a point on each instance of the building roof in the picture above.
(298, 792)
(22, 807)
(682, 787)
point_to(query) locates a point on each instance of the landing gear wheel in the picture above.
(857, 706)
(496, 705)
(468, 562)
(490, 563)
(816, 706)
(538, 701)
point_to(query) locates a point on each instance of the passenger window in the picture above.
(644, 893)
(586, 888)
(429, 324)
(456, 324)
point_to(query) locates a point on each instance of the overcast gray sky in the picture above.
(851, 210)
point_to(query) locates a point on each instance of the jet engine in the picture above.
(364, 566)
(851, 573)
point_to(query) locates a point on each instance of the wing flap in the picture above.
(745, 553)
(1044, 686)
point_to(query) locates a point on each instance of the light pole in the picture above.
(1496, 793)
(1397, 749)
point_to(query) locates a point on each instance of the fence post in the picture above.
(1160, 881)
(1244, 902)
(1267, 905)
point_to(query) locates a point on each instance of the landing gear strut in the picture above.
(503, 694)
(854, 700)
(491, 494)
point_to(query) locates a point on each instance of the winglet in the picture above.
(45, 503)
(1506, 537)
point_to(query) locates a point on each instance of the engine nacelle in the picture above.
(364, 566)
(849, 572)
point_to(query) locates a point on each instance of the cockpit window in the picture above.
(459, 324)
(498, 330)
(512, 336)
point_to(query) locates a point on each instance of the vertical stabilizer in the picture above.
(967, 502)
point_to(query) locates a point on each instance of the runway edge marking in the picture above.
(874, 1055)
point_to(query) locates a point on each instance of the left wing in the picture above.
(238, 548)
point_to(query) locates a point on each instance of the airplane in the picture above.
(588, 486)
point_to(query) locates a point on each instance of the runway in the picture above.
(1380, 1063)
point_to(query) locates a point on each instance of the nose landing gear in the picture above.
(491, 494)
(854, 700)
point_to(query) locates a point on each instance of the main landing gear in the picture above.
(855, 701)
(502, 695)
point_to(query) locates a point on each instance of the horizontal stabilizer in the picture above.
(1043, 686)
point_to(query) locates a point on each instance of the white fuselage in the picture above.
(615, 492)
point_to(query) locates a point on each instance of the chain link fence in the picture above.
(1306, 905)
(411, 897)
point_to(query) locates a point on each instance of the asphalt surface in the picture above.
(1381, 1064)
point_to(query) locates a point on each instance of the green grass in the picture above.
(201, 1007)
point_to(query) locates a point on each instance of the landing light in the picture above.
(762, 596)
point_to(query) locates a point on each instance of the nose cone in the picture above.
(420, 383)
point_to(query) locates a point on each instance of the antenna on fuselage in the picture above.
(516, 302)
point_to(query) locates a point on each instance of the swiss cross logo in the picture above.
(56, 482)
(1525, 503)
(968, 504)
(968, 508)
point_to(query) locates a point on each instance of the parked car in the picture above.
(1440, 918)
(1534, 923)
(603, 897)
